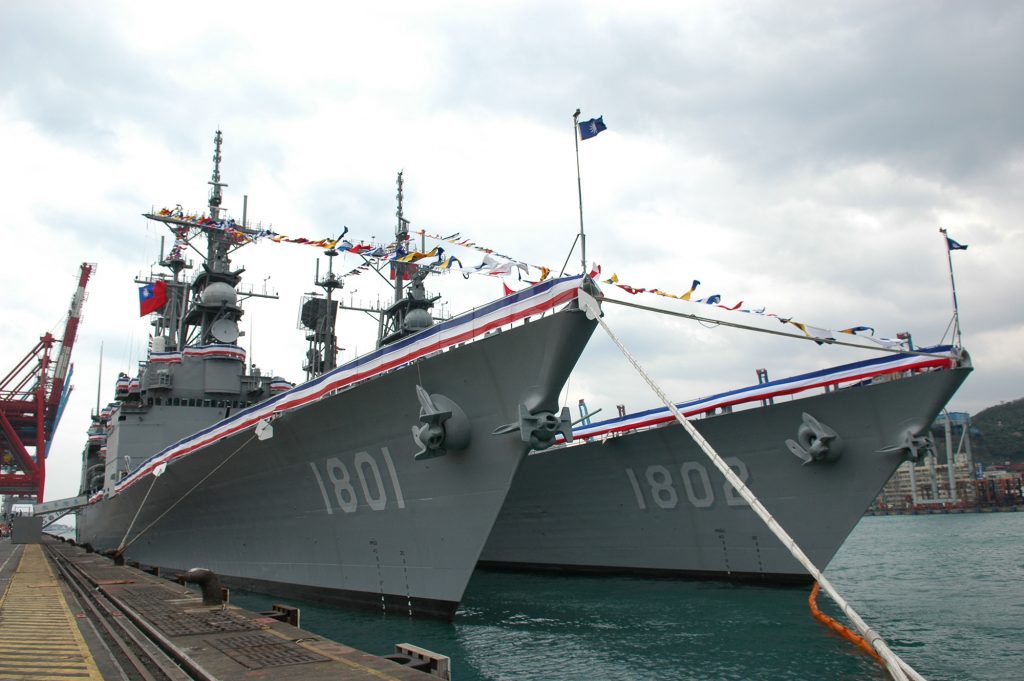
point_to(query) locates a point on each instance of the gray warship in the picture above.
(635, 495)
(374, 483)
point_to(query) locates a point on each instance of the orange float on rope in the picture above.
(840, 629)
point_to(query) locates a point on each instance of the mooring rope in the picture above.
(142, 503)
(216, 468)
(838, 627)
(748, 327)
(900, 670)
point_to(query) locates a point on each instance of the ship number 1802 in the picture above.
(657, 484)
(345, 488)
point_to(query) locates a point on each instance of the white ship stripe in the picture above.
(472, 325)
(844, 374)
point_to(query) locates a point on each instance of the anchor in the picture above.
(913, 447)
(815, 442)
(539, 429)
(444, 426)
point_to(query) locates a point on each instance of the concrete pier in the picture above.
(69, 614)
(39, 633)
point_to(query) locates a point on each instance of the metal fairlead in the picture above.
(444, 426)
(540, 429)
(815, 442)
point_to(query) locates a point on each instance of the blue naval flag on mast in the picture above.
(954, 246)
(592, 127)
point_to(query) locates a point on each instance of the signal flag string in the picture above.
(900, 670)
(747, 327)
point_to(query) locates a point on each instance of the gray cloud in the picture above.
(931, 87)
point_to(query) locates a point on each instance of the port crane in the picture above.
(32, 397)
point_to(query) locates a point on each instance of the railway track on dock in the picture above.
(145, 628)
(136, 650)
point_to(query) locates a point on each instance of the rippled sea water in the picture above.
(946, 591)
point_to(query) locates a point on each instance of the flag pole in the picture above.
(957, 338)
(579, 188)
(99, 380)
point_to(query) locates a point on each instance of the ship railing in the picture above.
(842, 377)
(552, 295)
(506, 327)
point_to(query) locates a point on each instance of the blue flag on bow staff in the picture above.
(592, 127)
(586, 130)
(951, 246)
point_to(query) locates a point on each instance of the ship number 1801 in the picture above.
(363, 483)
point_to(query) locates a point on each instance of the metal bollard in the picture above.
(210, 583)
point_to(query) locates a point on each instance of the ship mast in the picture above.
(409, 313)
(399, 269)
(215, 194)
(320, 315)
(210, 312)
(214, 312)
(218, 242)
(329, 283)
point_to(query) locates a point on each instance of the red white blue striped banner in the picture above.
(216, 352)
(473, 325)
(164, 358)
(843, 375)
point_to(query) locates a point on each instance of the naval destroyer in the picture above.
(374, 483)
(635, 495)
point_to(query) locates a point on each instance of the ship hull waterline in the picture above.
(650, 502)
(333, 507)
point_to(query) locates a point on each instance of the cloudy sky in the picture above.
(795, 156)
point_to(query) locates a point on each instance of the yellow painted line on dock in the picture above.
(39, 637)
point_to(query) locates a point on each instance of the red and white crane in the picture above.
(32, 397)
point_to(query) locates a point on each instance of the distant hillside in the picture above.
(997, 433)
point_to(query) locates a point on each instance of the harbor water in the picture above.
(946, 591)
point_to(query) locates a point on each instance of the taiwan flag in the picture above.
(152, 297)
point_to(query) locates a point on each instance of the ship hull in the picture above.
(334, 507)
(650, 502)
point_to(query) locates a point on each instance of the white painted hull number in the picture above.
(657, 484)
(356, 481)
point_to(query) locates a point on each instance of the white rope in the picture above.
(142, 503)
(180, 499)
(896, 667)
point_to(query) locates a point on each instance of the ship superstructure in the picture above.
(195, 374)
(375, 482)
